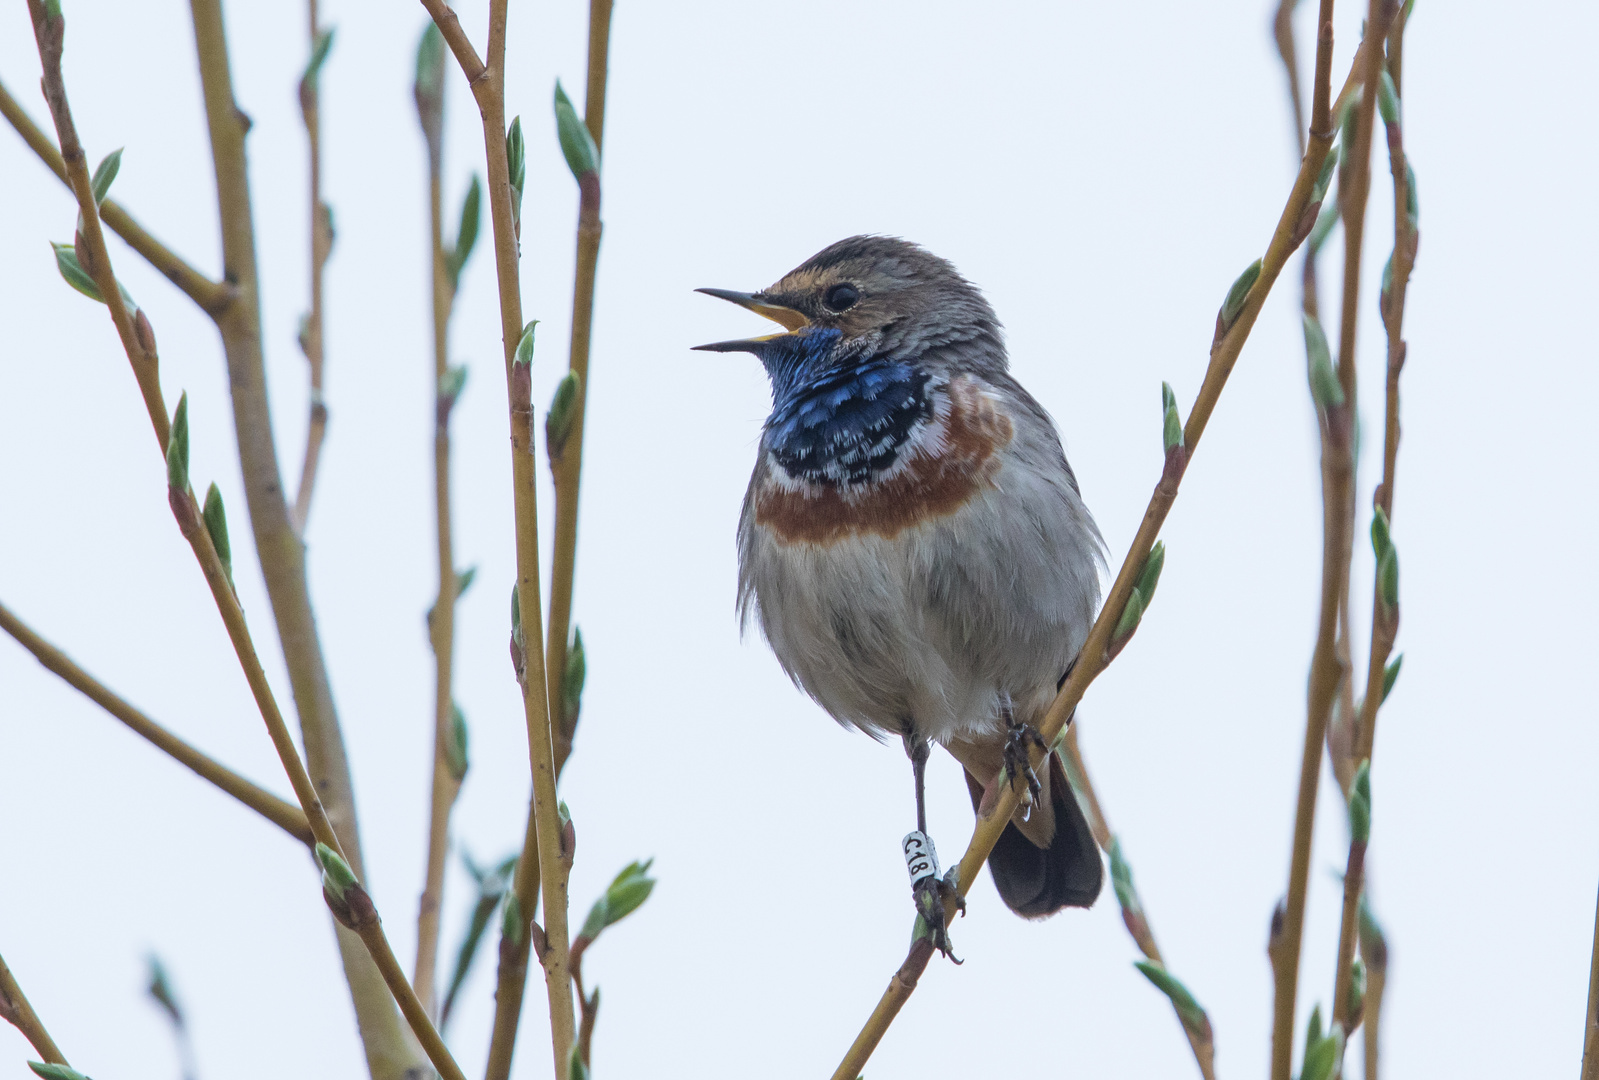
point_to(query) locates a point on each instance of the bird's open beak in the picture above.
(787, 317)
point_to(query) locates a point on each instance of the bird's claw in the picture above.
(1019, 739)
(931, 894)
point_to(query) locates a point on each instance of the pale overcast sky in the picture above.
(1102, 171)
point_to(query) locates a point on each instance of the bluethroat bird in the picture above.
(915, 548)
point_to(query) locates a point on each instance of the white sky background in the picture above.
(1103, 171)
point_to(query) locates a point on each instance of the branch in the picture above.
(1590, 1030)
(545, 861)
(1200, 1038)
(566, 451)
(212, 296)
(446, 785)
(1097, 652)
(390, 1053)
(14, 1009)
(311, 337)
(286, 816)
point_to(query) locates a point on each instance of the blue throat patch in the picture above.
(838, 420)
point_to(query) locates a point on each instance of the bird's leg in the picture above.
(1019, 739)
(928, 891)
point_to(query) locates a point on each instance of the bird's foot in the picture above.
(1019, 739)
(932, 894)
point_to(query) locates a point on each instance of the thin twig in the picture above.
(1590, 1030)
(1282, 26)
(544, 865)
(566, 462)
(1337, 480)
(1138, 927)
(321, 244)
(285, 815)
(212, 296)
(1096, 652)
(15, 1010)
(441, 620)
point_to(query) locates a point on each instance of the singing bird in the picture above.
(914, 545)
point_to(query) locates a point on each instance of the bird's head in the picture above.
(867, 297)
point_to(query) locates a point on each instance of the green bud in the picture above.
(628, 891)
(524, 347)
(74, 273)
(577, 145)
(1360, 804)
(104, 174)
(1346, 121)
(1234, 304)
(1323, 227)
(52, 10)
(563, 812)
(1412, 210)
(337, 877)
(1325, 389)
(463, 581)
(1373, 943)
(1388, 579)
(596, 922)
(1121, 878)
(1149, 576)
(558, 422)
(452, 382)
(430, 62)
(1387, 98)
(516, 159)
(1390, 675)
(55, 1072)
(516, 614)
(1188, 1010)
(178, 446)
(319, 55)
(216, 523)
(1313, 1028)
(573, 679)
(1387, 280)
(1380, 539)
(1322, 1057)
(1357, 989)
(512, 925)
(455, 750)
(1318, 191)
(575, 1069)
(1132, 614)
(1171, 422)
(466, 234)
(159, 988)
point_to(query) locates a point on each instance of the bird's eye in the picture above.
(841, 297)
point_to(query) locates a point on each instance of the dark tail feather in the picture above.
(1035, 882)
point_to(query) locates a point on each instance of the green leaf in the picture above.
(573, 679)
(577, 145)
(1325, 389)
(1131, 616)
(1390, 675)
(626, 893)
(159, 987)
(516, 159)
(1387, 98)
(463, 581)
(1360, 804)
(1381, 541)
(1324, 226)
(1171, 422)
(452, 382)
(466, 234)
(216, 523)
(492, 887)
(1388, 578)
(337, 877)
(55, 1072)
(430, 62)
(1149, 576)
(575, 1069)
(1323, 1056)
(1121, 878)
(1234, 304)
(1313, 1033)
(1188, 1010)
(74, 274)
(455, 758)
(178, 446)
(1318, 191)
(524, 347)
(512, 924)
(319, 56)
(104, 174)
(558, 422)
